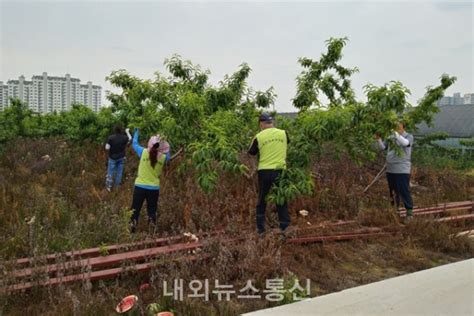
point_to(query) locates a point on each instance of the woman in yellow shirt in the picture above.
(147, 183)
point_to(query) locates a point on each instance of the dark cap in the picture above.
(265, 117)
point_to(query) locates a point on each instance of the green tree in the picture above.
(213, 124)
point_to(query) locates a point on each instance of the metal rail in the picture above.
(105, 267)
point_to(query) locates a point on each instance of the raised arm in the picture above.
(127, 131)
(136, 146)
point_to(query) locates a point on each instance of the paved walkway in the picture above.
(444, 290)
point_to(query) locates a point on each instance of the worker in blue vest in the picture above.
(271, 146)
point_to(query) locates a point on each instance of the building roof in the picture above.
(456, 120)
(289, 115)
(55, 78)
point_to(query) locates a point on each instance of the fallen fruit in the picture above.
(144, 287)
(126, 304)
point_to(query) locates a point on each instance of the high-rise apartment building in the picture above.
(46, 94)
(457, 99)
(469, 98)
(3, 95)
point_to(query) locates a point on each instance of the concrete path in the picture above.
(444, 290)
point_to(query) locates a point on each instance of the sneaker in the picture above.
(109, 189)
(408, 219)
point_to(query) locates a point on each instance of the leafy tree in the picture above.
(213, 124)
(324, 75)
(346, 124)
(15, 120)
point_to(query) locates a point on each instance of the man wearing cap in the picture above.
(271, 146)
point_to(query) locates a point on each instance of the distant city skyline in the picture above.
(46, 94)
(412, 42)
(457, 99)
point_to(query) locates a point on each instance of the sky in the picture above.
(414, 42)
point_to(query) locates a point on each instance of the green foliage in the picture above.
(444, 158)
(427, 107)
(291, 293)
(103, 249)
(78, 124)
(429, 153)
(345, 124)
(16, 120)
(428, 140)
(190, 113)
(293, 182)
(165, 304)
(326, 76)
(215, 123)
(467, 142)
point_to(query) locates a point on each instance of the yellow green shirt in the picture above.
(272, 148)
(149, 177)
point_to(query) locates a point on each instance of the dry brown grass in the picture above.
(72, 210)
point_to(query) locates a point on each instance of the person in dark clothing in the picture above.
(271, 146)
(116, 145)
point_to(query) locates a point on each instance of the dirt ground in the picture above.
(62, 186)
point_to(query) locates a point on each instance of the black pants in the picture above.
(266, 179)
(399, 187)
(151, 197)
